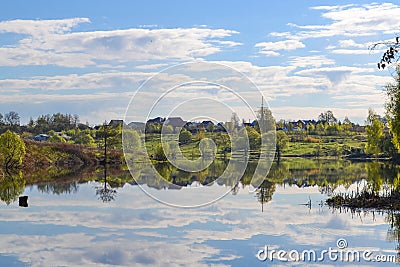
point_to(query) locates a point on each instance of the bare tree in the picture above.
(12, 118)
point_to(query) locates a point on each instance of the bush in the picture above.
(310, 139)
(185, 136)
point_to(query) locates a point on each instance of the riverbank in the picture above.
(367, 200)
(44, 154)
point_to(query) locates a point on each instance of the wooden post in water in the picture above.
(23, 201)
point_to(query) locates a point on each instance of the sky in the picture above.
(91, 57)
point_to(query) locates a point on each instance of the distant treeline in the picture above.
(43, 124)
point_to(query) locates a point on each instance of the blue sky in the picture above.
(89, 57)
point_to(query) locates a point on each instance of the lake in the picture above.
(78, 220)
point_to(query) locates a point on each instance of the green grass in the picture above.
(329, 146)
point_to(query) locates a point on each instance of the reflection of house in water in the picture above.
(297, 181)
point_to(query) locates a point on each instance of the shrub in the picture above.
(310, 139)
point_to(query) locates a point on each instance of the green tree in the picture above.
(12, 149)
(185, 136)
(374, 129)
(55, 138)
(310, 128)
(281, 142)
(393, 108)
(265, 120)
(327, 117)
(167, 129)
(254, 138)
(159, 153)
(132, 139)
(84, 138)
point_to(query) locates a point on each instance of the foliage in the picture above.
(167, 129)
(254, 138)
(327, 117)
(57, 122)
(159, 153)
(11, 118)
(265, 120)
(112, 134)
(132, 139)
(281, 141)
(393, 108)
(391, 55)
(55, 138)
(12, 149)
(11, 186)
(83, 138)
(185, 136)
(374, 130)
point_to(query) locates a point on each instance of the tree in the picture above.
(235, 121)
(327, 117)
(12, 118)
(265, 120)
(12, 150)
(281, 142)
(159, 153)
(84, 138)
(393, 108)
(55, 138)
(374, 129)
(265, 192)
(185, 136)
(132, 140)
(211, 127)
(167, 129)
(12, 184)
(391, 55)
(254, 138)
(346, 125)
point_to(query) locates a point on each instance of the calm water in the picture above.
(74, 223)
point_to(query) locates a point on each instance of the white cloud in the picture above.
(350, 43)
(151, 66)
(355, 51)
(311, 61)
(353, 20)
(51, 42)
(40, 27)
(269, 53)
(269, 48)
(99, 80)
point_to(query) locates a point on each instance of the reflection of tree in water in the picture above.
(265, 192)
(105, 192)
(12, 184)
(393, 234)
(59, 187)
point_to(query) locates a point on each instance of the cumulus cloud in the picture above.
(311, 61)
(53, 42)
(270, 48)
(353, 20)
